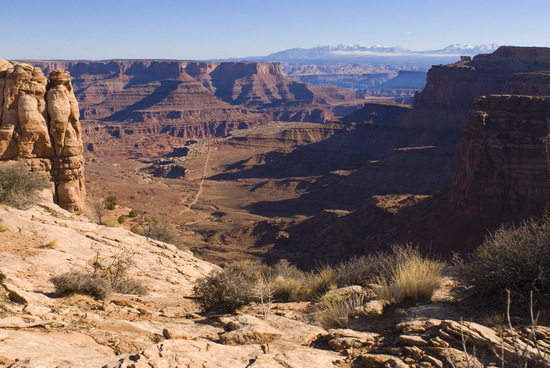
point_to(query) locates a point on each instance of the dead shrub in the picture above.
(107, 275)
(19, 187)
(81, 283)
(367, 269)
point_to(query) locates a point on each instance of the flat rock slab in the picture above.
(54, 349)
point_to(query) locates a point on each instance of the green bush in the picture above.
(81, 283)
(137, 230)
(133, 213)
(110, 203)
(20, 188)
(121, 219)
(515, 258)
(111, 222)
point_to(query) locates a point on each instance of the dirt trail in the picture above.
(199, 192)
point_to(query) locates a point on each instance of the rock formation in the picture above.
(39, 123)
(191, 99)
(501, 173)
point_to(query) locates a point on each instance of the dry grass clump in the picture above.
(52, 244)
(320, 282)
(3, 227)
(334, 310)
(411, 278)
(20, 188)
(514, 258)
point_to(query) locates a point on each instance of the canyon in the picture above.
(469, 154)
(384, 173)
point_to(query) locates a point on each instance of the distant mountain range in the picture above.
(376, 55)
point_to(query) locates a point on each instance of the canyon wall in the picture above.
(39, 123)
(191, 99)
(501, 173)
(438, 115)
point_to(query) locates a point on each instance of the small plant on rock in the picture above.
(20, 188)
(110, 203)
(52, 244)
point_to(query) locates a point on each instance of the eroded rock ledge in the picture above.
(39, 123)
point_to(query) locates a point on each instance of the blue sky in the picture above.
(172, 29)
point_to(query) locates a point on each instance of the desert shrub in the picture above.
(137, 230)
(234, 286)
(130, 286)
(81, 283)
(111, 222)
(515, 258)
(3, 227)
(225, 290)
(121, 219)
(365, 270)
(161, 232)
(107, 275)
(114, 269)
(411, 278)
(20, 188)
(133, 213)
(109, 203)
(334, 310)
(287, 282)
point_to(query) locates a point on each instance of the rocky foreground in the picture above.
(164, 328)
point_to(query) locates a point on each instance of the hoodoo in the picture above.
(40, 124)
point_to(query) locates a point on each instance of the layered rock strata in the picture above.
(191, 99)
(39, 123)
(501, 173)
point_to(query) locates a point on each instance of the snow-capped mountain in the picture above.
(346, 51)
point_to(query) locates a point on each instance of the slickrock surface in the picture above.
(163, 329)
(43, 329)
(39, 122)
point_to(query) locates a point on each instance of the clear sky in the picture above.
(182, 29)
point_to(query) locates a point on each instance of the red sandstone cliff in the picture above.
(190, 99)
(500, 176)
